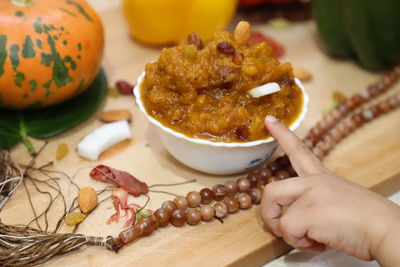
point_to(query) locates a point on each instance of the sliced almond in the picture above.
(302, 74)
(265, 89)
(115, 115)
(242, 32)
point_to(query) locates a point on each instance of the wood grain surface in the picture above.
(369, 157)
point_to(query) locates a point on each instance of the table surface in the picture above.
(365, 158)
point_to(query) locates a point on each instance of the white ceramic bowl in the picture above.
(216, 157)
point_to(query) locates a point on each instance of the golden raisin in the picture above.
(74, 218)
(190, 51)
(338, 97)
(62, 151)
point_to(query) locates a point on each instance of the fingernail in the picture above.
(271, 119)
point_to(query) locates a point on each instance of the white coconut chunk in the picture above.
(265, 89)
(93, 144)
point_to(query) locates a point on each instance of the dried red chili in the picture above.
(120, 178)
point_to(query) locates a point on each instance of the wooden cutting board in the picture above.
(369, 157)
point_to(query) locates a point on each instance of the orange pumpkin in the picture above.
(50, 51)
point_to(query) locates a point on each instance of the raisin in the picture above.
(287, 80)
(226, 48)
(238, 58)
(124, 87)
(195, 39)
(242, 133)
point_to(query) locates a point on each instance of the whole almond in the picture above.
(242, 33)
(115, 115)
(302, 74)
(87, 199)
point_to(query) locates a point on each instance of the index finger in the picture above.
(302, 159)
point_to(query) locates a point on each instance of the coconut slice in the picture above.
(93, 144)
(265, 89)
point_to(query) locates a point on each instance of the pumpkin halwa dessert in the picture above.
(220, 90)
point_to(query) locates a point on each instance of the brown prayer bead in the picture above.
(375, 89)
(283, 161)
(343, 129)
(163, 216)
(350, 124)
(253, 178)
(193, 198)
(255, 195)
(273, 166)
(391, 103)
(264, 174)
(316, 131)
(376, 111)
(170, 205)
(193, 216)
(367, 115)
(342, 108)
(178, 217)
(261, 185)
(207, 212)
(221, 210)
(244, 201)
(330, 119)
(232, 203)
(336, 115)
(181, 202)
(282, 174)
(231, 188)
(323, 124)
(243, 184)
(358, 99)
(384, 106)
(357, 119)
(387, 81)
(328, 138)
(325, 147)
(332, 136)
(366, 95)
(207, 195)
(219, 192)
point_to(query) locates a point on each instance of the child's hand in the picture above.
(324, 209)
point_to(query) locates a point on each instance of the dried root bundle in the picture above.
(10, 177)
(21, 245)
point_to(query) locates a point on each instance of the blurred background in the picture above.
(365, 31)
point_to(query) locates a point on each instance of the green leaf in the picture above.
(44, 123)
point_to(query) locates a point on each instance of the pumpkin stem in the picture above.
(24, 136)
(22, 3)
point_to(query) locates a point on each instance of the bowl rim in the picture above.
(292, 127)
